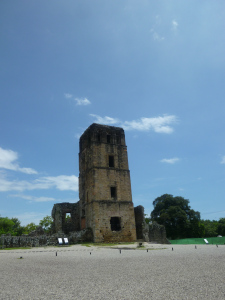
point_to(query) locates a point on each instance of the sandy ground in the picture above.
(80, 272)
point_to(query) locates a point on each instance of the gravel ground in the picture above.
(184, 273)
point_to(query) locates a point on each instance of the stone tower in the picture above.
(104, 185)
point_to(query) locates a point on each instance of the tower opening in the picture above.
(113, 192)
(115, 224)
(111, 161)
(68, 216)
(108, 138)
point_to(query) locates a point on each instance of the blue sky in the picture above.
(155, 68)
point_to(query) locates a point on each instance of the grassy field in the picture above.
(16, 248)
(211, 240)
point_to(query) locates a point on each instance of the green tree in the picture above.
(29, 227)
(11, 226)
(177, 216)
(147, 219)
(17, 228)
(46, 223)
(221, 226)
(6, 226)
(211, 228)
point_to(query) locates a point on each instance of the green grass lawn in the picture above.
(16, 248)
(211, 240)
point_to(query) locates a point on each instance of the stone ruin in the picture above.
(157, 233)
(105, 211)
(63, 224)
(105, 204)
(40, 239)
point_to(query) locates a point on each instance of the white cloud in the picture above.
(33, 198)
(8, 160)
(82, 101)
(170, 160)
(27, 170)
(68, 96)
(157, 124)
(156, 36)
(62, 183)
(223, 160)
(79, 101)
(156, 28)
(161, 124)
(105, 120)
(174, 25)
(5, 185)
(31, 217)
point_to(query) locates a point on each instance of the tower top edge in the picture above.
(100, 127)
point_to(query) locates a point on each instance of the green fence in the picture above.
(211, 240)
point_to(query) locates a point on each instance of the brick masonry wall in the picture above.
(98, 178)
(157, 233)
(8, 241)
(100, 214)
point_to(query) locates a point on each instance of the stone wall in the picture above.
(157, 233)
(142, 228)
(104, 185)
(8, 241)
(112, 221)
(61, 224)
(154, 232)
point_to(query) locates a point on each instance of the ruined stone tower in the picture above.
(104, 185)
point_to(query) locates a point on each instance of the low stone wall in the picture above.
(8, 241)
(149, 233)
(154, 232)
(157, 233)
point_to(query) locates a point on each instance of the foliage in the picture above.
(147, 219)
(68, 217)
(210, 228)
(13, 226)
(46, 223)
(177, 216)
(29, 227)
(6, 226)
(221, 227)
(17, 228)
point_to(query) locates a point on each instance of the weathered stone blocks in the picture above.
(104, 184)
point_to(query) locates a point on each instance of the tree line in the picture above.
(13, 226)
(181, 221)
(175, 213)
